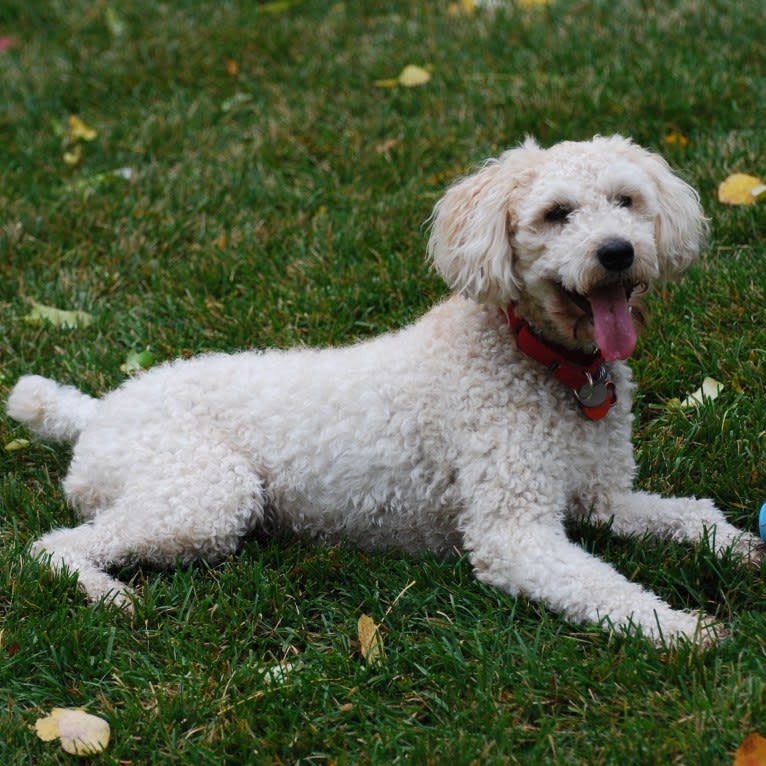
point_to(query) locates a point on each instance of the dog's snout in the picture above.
(616, 255)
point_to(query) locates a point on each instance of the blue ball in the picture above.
(762, 522)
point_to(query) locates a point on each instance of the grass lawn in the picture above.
(269, 193)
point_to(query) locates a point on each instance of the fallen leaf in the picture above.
(752, 751)
(232, 68)
(462, 8)
(78, 130)
(136, 361)
(532, 3)
(16, 444)
(740, 189)
(57, 317)
(676, 139)
(80, 733)
(709, 390)
(370, 640)
(73, 157)
(410, 77)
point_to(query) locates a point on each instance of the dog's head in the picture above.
(571, 235)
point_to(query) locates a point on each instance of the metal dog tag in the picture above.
(592, 395)
(595, 392)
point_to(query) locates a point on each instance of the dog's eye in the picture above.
(558, 214)
(625, 201)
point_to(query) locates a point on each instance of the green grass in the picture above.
(294, 213)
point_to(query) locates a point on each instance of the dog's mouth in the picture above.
(609, 309)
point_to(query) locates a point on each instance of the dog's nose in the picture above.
(616, 255)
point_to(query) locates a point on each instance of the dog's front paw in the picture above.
(696, 628)
(750, 548)
(709, 633)
(120, 599)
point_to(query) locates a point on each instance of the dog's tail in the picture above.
(51, 410)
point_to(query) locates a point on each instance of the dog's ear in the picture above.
(472, 224)
(681, 226)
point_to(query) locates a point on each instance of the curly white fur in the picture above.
(440, 435)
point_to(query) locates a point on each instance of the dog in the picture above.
(503, 412)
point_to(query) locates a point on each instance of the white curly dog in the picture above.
(483, 426)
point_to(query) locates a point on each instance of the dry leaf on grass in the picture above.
(410, 77)
(464, 7)
(370, 640)
(741, 189)
(16, 444)
(80, 733)
(676, 139)
(752, 752)
(78, 130)
(57, 317)
(709, 390)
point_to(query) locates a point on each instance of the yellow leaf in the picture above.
(79, 131)
(739, 188)
(709, 390)
(412, 76)
(370, 640)
(57, 317)
(74, 157)
(462, 7)
(752, 752)
(80, 733)
(676, 139)
(532, 3)
(16, 444)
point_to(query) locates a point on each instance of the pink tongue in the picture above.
(613, 326)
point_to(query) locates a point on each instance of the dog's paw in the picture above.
(709, 633)
(121, 599)
(751, 548)
(700, 630)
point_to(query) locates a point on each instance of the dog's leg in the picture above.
(684, 519)
(82, 551)
(536, 559)
(205, 508)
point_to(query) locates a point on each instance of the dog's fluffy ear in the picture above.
(472, 224)
(681, 226)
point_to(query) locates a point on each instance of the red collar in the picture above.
(586, 374)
